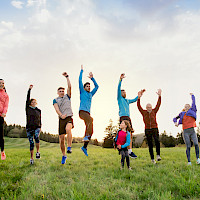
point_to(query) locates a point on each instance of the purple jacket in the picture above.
(191, 112)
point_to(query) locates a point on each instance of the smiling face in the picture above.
(149, 107)
(187, 107)
(123, 125)
(123, 92)
(33, 103)
(87, 87)
(1, 84)
(61, 92)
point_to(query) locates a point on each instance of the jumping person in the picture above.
(4, 99)
(62, 105)
(122, 141)
(124, 111)
(33, 124)
(151, 126)
(188, 120)
(85, 105)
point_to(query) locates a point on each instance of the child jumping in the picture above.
(122, 141)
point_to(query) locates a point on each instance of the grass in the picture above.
(97, 176)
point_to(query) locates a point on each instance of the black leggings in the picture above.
(1, 133)
(88, 123)
(124, 154)
(153, 134)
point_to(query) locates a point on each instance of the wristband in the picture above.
(67, 76)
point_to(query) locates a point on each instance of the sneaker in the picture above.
(69, 150)
(130, 168)
(132, 155)
(84, 150)
(198, 161)
(86, 139)
(189, 163)
(153, 161)
(158, 158)
(31, 161)
(121, 168)
(38, 155)
(3, 155)
(64, 158)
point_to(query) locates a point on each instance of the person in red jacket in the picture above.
(4, 99)
(151, 126)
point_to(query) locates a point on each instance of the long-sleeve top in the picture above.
(123, 102)
(33, 115)
(4, 100)
(86, 97)
(127, 141)
(149, 118)
(190, 113)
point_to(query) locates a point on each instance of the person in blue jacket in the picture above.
(124, 111)
(122, 141)
(85, 105)
(188, 120)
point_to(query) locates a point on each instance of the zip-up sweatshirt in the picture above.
(33, 115)
(4, 100)
(123, 102)
(86, 97)
(149, 118)
(128, 139)
(191, 112)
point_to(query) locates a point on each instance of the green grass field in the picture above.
(97, 176)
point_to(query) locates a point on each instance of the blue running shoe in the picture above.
(84, 150)
(69, 150)
(64, 158)
(132, 155)
(86, 139)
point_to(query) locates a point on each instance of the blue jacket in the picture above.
(86, 97)
(123, 103)
(128, 139)
(191, 112)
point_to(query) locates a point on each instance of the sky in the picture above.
(156, 43)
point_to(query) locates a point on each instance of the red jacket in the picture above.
(4, 99)
(149, 118)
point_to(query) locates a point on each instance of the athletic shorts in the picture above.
(63, 123)
(128, 119)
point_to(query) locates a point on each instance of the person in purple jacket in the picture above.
(188, 120)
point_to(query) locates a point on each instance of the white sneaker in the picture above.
(38, 155)
(130, 168)
(158, 158)
(153, 161)
(198, 161)
(31, 161)
(189, 163)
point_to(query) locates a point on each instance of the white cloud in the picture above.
(8, 25)
(37, 3)
(17, 4)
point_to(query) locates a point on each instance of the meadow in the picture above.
(97, 176)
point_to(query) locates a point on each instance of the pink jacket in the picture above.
(4, 99)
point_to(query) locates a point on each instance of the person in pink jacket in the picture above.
(4, 99)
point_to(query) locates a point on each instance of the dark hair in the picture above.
(128, 128)
(61, 88)
(32, 100)
(122, 90)
(4, 87)
(87, 83)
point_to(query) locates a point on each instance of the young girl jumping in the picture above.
(122, 141)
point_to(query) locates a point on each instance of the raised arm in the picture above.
(132, 100)
(193, 107)
(95, 84)
(119, 94)
(80, 80)
(159, 101)
(28, 96)
(69, 89)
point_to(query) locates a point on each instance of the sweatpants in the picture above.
(88, 123)
(124, 154)
(187, 135)
(153, 134)
(2, 133)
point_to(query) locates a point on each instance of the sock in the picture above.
(69, 148)
(129, 151)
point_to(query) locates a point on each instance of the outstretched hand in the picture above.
(64, 74)
(159, 92)
(140, 93)
(191, 94)
(122, 76)
(30, 87)
(176, 124)
(90, 75)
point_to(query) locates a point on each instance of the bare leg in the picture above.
(62, 143)
(69, 134)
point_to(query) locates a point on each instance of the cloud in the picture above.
(38, 3)
(17, 4)
(8, 25)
